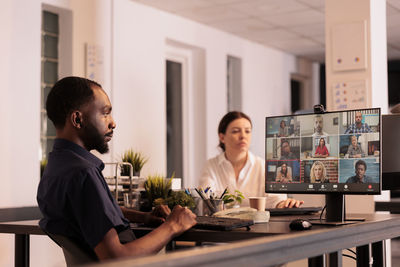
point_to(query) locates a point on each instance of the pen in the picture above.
(187, 191)
(198, 192)
(223, 193)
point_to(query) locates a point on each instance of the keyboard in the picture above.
(221, 224)
(294, 211)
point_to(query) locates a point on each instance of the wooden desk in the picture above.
(265, 244)
(22, 230)
(21, 238)
(273, 243)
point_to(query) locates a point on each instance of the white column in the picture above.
(356, 67)
(356, 56)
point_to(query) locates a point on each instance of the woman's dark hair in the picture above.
(226, 120)
(284, 173)
(68, 94)
(319, 144)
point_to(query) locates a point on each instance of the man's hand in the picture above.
(158, 215)
(181, 219)
(289, 203)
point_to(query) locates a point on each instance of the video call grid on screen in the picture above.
(324, 153)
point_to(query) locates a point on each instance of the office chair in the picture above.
(74, 254)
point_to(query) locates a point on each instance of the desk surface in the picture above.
(30, 227)
(271, 242)
(274, 243)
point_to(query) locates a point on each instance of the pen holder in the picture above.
(207, 207)
(211, 206)
(198, 209)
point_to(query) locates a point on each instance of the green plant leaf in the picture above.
(135, 158)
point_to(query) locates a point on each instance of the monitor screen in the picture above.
(333, 152)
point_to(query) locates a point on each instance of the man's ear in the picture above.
(76, 119)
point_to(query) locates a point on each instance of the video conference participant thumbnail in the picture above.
(359, 121)
(358, 126)
(283, 148)
(319, 147)
(319, 171)
(359, 171)
(319, 125)
(283, 171)
(359, 145)
(283, 127)
(286, 150)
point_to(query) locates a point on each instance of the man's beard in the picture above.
(92, 139)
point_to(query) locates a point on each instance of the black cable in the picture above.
(352, 251)
(322, 212)
(348, 256)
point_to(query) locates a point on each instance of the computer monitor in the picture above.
(391, 154)
(332, 153)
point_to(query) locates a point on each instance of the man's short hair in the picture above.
(285, 141)
(361, 162)
(68, 94)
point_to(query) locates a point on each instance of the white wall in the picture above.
(139, 79)
(134, 38)
(22, 95)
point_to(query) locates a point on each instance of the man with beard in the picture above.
(358, 126)
(73, 195)
(286, 153)
(318, 126)
(360, 177)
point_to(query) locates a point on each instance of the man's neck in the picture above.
(67, 135)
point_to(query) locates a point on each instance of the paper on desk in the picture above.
(245, 214)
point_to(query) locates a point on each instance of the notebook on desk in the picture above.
(294, 211)
(221, 224)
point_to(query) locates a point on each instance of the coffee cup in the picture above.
(257, 203)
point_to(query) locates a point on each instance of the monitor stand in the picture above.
(336, 211)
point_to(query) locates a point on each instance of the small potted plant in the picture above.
(136, 159)
(180, 198)
(157, 189)
(233, 200)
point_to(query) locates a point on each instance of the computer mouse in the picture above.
(300, 224)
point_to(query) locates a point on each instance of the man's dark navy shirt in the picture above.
(74, 197)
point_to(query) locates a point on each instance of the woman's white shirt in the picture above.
(218, 173)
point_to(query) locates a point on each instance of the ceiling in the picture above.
(294, 26)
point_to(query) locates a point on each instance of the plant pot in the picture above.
(125, 171)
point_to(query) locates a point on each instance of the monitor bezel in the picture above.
(325, 192)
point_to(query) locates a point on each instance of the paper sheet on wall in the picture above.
(350, 95)
(95, 63)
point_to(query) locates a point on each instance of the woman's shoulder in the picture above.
(215, 161)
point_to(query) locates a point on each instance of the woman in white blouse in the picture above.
(236, 168)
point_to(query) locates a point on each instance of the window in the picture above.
(50, 62)
(174, 119)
